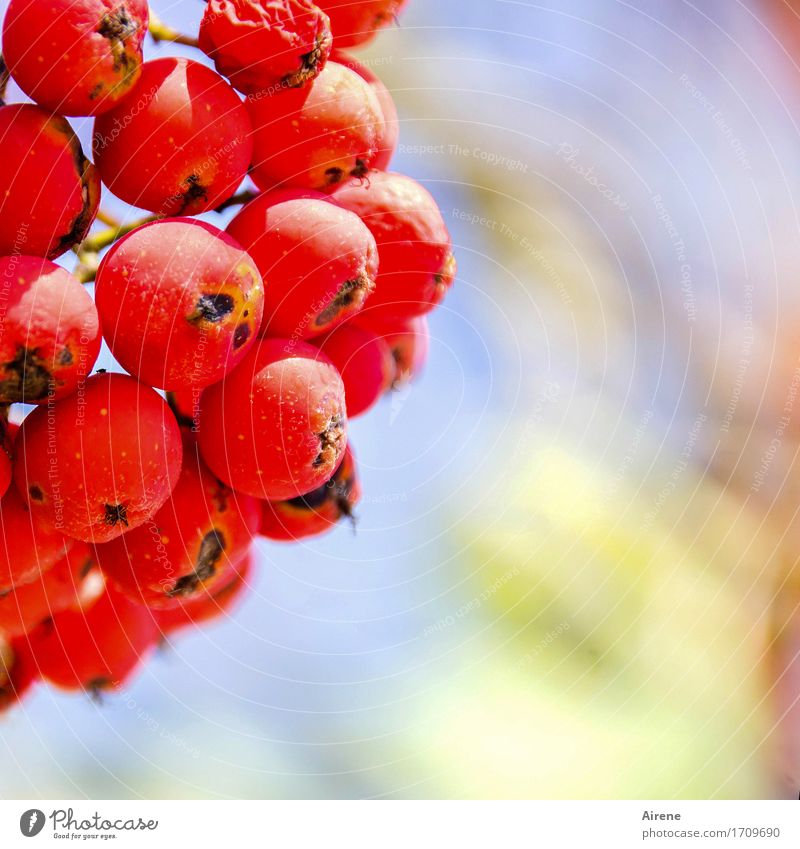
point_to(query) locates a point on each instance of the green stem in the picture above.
(159, 31)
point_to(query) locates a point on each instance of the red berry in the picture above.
(55, 589)
(317, 511)
(185, 404)
(101, 461)
(319, 260)
(408, 340)
(180, 302)
(49, 331)
(209, 605)
(355, 22)
(391, 123)
(263, 46)
(49, 191)
(178, 143)
(317, 136)
(364, 361)
(76, 57)
(96, 649)
(18, 671)
(276, 426)
(416, 260)
(29, 546)
(189, 547)
(6, 455)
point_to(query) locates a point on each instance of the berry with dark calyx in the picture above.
(318, 136)
(75, 57)
(355, 22)
(49, 191)
(191, 544)
(18, 671)
(55, 589)
(391, 123)
(96, 649)
(319, 261)
(364, 361)
(29, 546)
(408, 340)
(264, 46)
(417, 265)
(99, 462)
(210, 604)
(275, 427)
(49, 331)
(180, 302)
(178, 143)
(317, 511)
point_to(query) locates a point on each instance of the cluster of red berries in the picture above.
(130, 500)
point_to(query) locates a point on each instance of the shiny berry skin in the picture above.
(180, 303)
(416, 259)
(391, 123)
(408, 340)
(29, 546)
(212, 604)
(276, 426)
(49, 191)
(55, 589)
(364, 361)
(264, 46)
(319, 261)
(355, 22)
(96, 649)
(178, 143)
(49, 331)
(75, 57)
(18, 671)
(189, 547)
(317, 511)
(318, 136)
(101, 461)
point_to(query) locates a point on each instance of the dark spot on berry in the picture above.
(4, 593)
(334, 175)
(311, 500)
(29, 379)
(36, 493)
(182, 419)
(117, 27)
(83, 220)
(219, 496)
(97, 687)
(330, 441)
(96, 91)
(116, 514)
(211, 549)
(65, 357)
(351, 294)
(86, 568)
(212, 308)
(361, 170)
(241, 335)
(193, 192)
(309, 63)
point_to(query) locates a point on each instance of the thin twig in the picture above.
(159, 31)
(107, 218)
(245, 196)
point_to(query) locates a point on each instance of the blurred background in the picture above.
(574, 572)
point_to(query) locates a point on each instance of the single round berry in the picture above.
(29, 545)
(416, 259)
(18, 671)
(180, 303)
(318, 136)
(391, 123)
(210, 604)
(96, 649)
(191, 544)
(178, 143)
(57, 588)
(49, 191)
(75, 57)
(276, 426)
(355, 22)
(264, 46)
(319, 261)
(317, 511)
(49, 331)
(101, 461)
(364, 361)
(408, 340)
